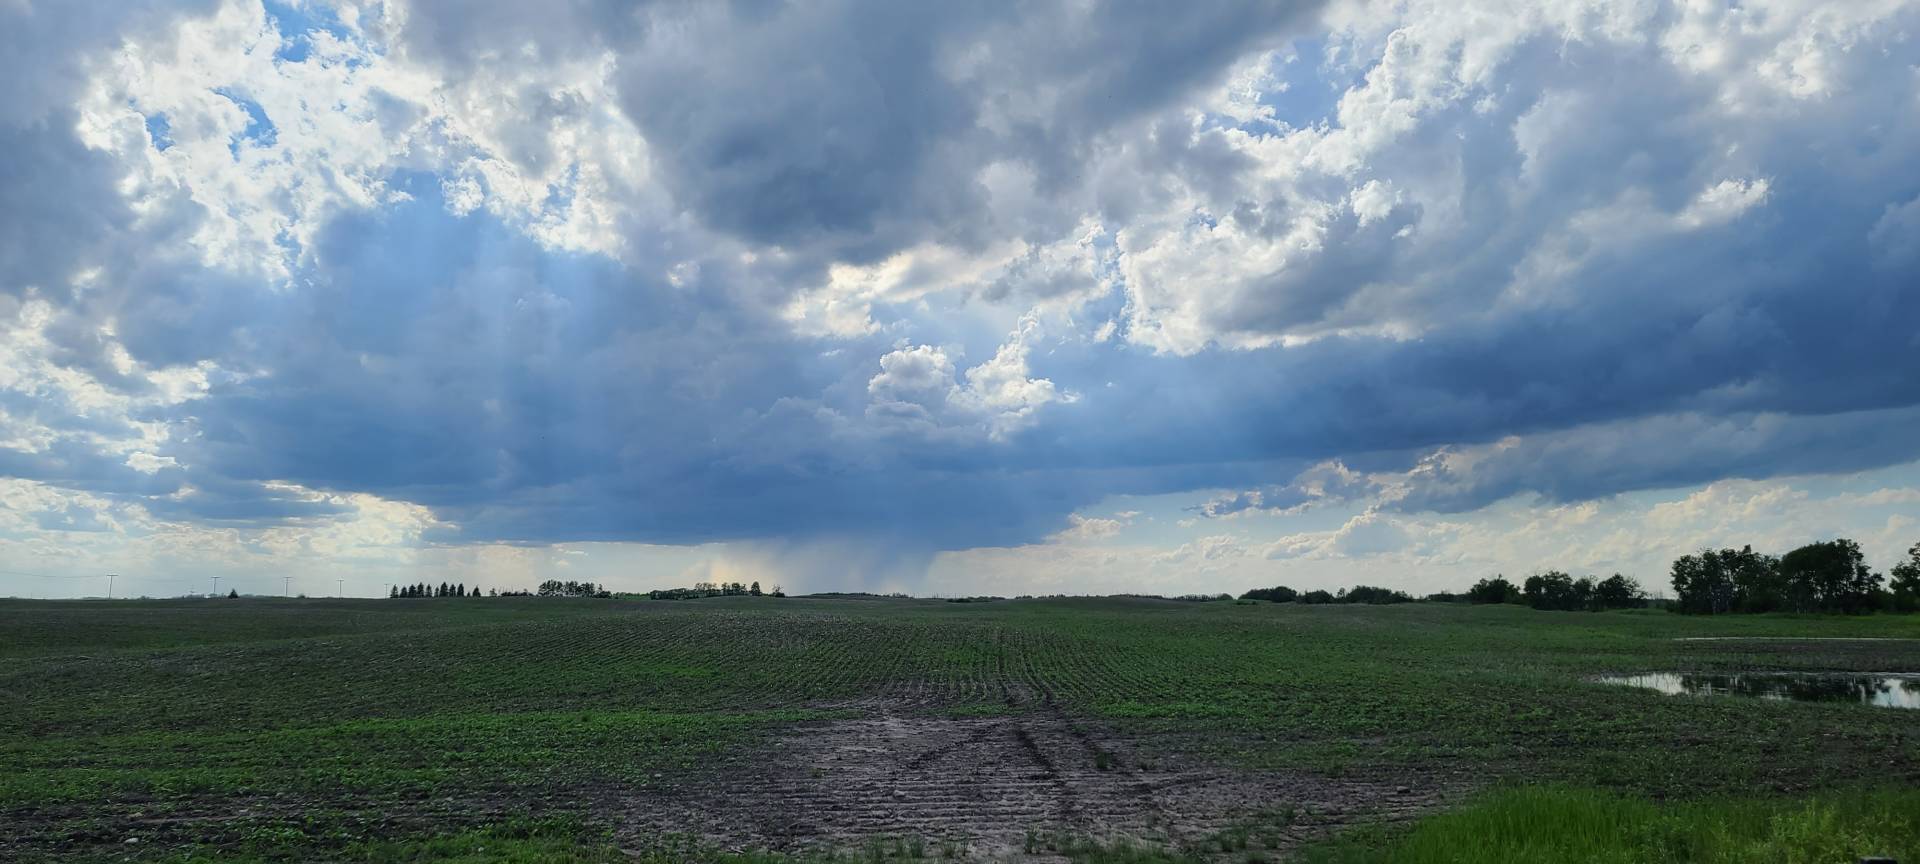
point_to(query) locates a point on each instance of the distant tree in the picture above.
(754, 590)
(1758, 583)
(1583, 591)
(1830, 576)
(393, 592)
(1553, 590)
(1373, 596)
(233, 593)
(493, 592)
(460, 589)
(1618, 592)
(1702, 583)
(1905, 583)
(779, 591)
(570, 588)
(1495, 590)
(1276, 594)
(1316, 596)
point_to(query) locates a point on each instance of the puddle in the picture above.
(1881, 689)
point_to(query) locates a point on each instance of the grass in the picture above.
(1586, 826)
(296, 729)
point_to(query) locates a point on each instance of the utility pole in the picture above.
(286, 586)
(339, 588)
(110, 585)
(216, 586)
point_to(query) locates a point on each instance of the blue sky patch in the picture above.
(297, 22)
(260, 130)
(160, 131)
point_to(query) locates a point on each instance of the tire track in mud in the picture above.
(987, 785)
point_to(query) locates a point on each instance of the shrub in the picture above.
(1495, 590)
(1276, 594)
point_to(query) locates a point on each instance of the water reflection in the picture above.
(1887, 691)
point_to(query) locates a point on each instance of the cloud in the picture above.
(809, 277)
(1666, 451)
(1327, 482)
(1089, 528)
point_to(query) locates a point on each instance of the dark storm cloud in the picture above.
(859, 128)
(534, 395)
(1664, 452)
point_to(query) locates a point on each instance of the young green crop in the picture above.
(304, 728)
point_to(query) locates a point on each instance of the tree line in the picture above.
(713, 589)
(1366, 594)
(1550, 590)
(1829, 576)
(457, 589)
(570, 588)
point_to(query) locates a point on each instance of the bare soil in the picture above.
(999, 788)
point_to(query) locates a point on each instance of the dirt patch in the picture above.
(991, 785)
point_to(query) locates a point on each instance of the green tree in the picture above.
(1757, 582)
(1905, 583)
(1706, 583)
(1552, 590)
(1495, 590)
(1276, 594)
(1829, 576)
(1374, 596)
(1618, 592)
(754, 590)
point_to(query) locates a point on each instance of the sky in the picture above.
(1009, 298)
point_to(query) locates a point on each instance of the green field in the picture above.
(1099, 729)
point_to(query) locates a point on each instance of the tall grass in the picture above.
(1582, 826)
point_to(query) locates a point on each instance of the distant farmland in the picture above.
(484, 729)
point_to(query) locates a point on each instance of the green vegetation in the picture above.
(1584, 826)
(299, 729)
(1830, 576)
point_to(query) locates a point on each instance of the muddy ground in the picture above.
(1006, 787)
